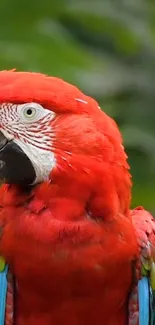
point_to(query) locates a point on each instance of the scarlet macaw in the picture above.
(72, 244)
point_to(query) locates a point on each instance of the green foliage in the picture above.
(105, 47)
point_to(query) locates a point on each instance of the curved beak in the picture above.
(15, 166)
(3, 140)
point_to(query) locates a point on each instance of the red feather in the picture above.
(70, 242)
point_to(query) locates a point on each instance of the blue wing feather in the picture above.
(3, 293)
(144, 301)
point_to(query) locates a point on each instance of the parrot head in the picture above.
(51, 132)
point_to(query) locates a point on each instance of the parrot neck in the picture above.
(75, 197)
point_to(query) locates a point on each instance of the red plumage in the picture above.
(70, 242)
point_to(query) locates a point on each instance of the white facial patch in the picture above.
(29, 126)
(42, 160)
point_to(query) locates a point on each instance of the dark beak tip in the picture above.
(3, 140)
(15, 166)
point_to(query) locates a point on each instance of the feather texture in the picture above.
(70, 242)
(142, 297)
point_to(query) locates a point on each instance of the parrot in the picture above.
(75, 250)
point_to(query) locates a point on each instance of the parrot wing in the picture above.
(142, 298)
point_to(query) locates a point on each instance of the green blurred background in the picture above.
(107, 48)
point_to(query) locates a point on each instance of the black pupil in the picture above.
(29, 111)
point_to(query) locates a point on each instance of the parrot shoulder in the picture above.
(142, 297)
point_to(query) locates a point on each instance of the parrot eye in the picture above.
(33, 112)
(29, 112)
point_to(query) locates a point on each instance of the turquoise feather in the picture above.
(143, 298)
(3, 293)
(146, 298)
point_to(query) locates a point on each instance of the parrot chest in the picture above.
(80, 293)
(80, 272)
